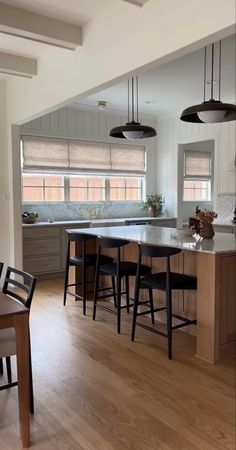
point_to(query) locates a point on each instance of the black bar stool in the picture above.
(84, 261)
(164, 281)
(117, 270)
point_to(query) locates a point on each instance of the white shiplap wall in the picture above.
(83, 124)
(171, 133)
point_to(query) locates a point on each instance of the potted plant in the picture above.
(29, 217)
(153, 204)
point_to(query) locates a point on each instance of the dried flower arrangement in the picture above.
(201, 217)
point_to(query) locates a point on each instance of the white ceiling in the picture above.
(174, 86)
(73, 11)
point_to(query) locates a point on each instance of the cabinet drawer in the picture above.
(42, 264)
(34, 247)
(41, 232)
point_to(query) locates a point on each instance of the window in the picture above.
(39, 187)
(68, 170)
(197, 176)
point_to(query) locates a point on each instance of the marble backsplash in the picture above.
(225, 206)
(79, 211)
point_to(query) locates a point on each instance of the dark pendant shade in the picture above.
(133, 129)
(220, 112)
(130, 128)
(211, 111)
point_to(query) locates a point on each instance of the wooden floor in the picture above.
(97, 390)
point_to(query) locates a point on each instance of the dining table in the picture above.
(14, 314)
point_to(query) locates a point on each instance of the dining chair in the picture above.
(20, 285)
(1, 363)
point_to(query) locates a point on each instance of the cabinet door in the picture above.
(226, 158)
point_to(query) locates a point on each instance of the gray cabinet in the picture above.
(42, 250)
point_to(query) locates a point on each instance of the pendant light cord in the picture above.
(132, 86)
(204, 77)
(212, 69)
(137, 97)
(219, 70)
(128, 101)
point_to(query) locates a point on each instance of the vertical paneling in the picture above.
(85, 124)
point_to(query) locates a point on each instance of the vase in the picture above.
(151, 211)
(207, 231)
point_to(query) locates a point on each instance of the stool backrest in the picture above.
(25, 287)
(111, 242)
(157, 251)
(79, 237)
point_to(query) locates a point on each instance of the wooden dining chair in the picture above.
(19, 285)
(1, 364)
(1, 267)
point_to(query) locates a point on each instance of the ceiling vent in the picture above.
(136, 2)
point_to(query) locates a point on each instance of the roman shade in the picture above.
(40, 153)
(197, 164)
(45, 152)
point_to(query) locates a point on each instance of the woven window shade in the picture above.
(127, 159)
(45, 152)
(65, 155)
(89, 155)
(197, 164)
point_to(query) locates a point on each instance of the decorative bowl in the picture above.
(28, 219)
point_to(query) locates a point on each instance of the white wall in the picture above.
(172, 133)
(82, 124)
(5, 217)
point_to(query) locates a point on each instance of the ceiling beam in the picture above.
(136, 2)
(18, 65)
(36, 27)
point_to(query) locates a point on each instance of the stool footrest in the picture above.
(9, 385)
(153, 330)
(105, 308)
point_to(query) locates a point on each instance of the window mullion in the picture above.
(66, 188)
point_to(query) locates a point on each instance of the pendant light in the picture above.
(133, 129)
(210, 111)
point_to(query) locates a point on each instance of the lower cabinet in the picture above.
(44, 250)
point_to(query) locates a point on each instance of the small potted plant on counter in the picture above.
(29, 217)
(153, 204)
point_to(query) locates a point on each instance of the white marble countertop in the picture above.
(88, 222)
(221, 243)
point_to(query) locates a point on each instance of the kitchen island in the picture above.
(213, 261)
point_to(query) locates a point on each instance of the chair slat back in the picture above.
(1, 267)
(22, 290)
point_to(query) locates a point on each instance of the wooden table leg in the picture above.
(22, 352)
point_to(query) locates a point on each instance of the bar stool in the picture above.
(163, 281)
(84, 261)
(117, 270)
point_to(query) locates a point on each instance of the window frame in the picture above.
(66, 186)
(198, 177)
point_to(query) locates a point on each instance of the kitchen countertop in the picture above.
(88, 222)
(222, 242)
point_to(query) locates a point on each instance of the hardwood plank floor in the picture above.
(97, 390)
